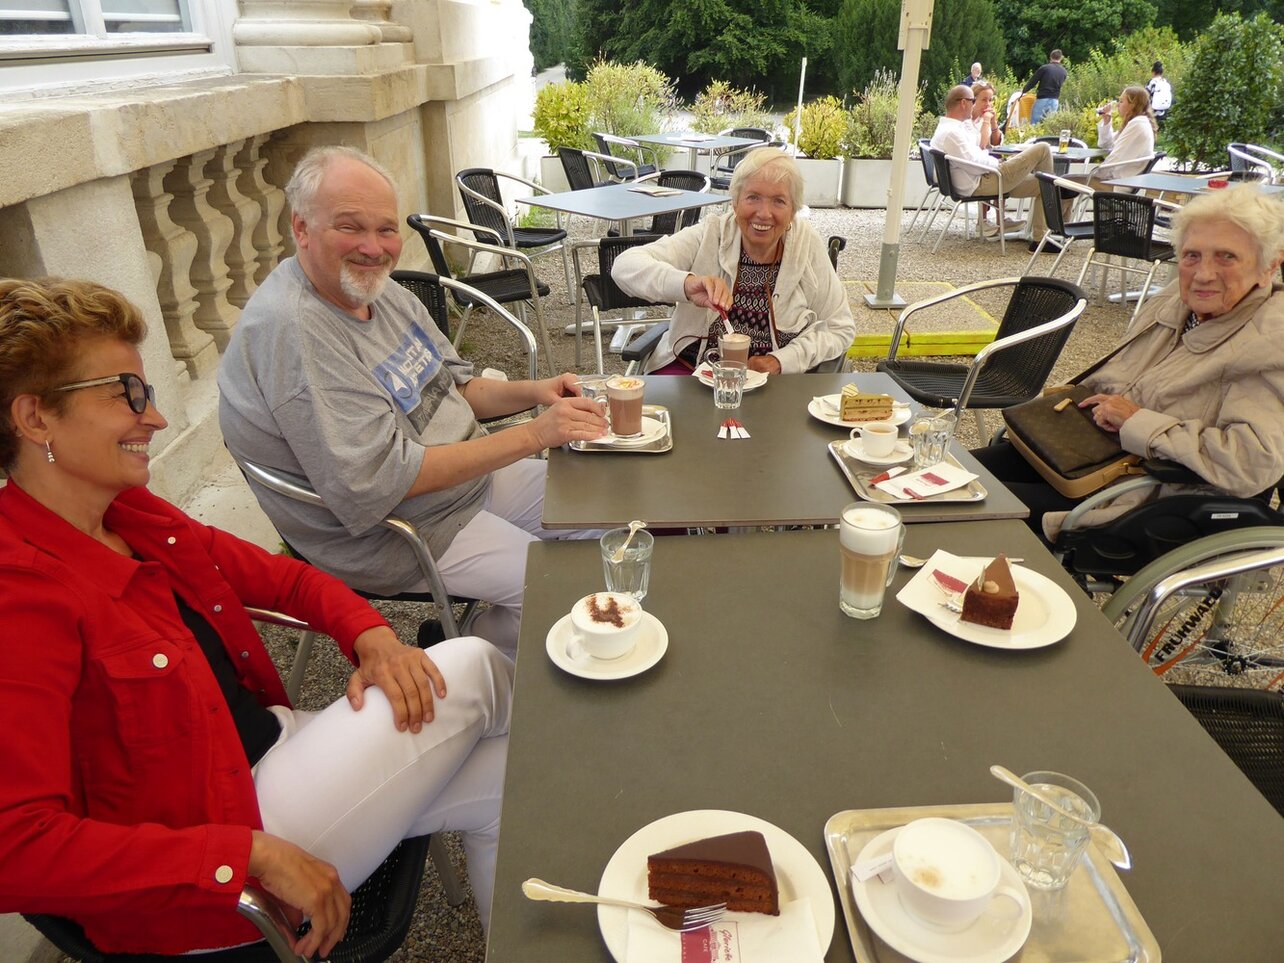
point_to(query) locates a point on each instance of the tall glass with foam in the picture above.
(870, 537)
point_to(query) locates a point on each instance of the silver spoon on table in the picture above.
(618, 555)
(1106, 839)
(913, 561)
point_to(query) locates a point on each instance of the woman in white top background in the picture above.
(1135, 140)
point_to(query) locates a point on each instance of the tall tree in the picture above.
(963, 31)
(552, 31)
(1033, 28)
(1188, 17)
(750, 42)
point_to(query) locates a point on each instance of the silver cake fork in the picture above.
(674, 917)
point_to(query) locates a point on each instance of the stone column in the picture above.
(266, 237)
(192, 209)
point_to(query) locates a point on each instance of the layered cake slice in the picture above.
(992, 599)
(734, 869)
(854, 406)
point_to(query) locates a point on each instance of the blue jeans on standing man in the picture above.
(1042, 107)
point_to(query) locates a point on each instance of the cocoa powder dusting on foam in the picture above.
(611, 612)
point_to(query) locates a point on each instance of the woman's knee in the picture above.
(479, 674)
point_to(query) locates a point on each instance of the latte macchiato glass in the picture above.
(624, 395)
(869, 538)
(734, 347)
(604, 625)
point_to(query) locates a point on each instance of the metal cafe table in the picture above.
(622, 202)
(698, 143)
(1176, 184)
(770, 702)
(782, 475)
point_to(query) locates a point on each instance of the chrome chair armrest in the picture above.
(903, 319)
(994, 347)
(265, 912)
(523, 332)
(438, 220)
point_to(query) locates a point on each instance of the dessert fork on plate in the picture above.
(674, 917)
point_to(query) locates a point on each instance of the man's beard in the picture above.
(363, 287)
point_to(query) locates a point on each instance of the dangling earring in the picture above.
(49, 453)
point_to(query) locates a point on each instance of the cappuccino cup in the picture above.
(604, 625)
(624, 398)
(870, 537)
(877, 438)
(947, 874)
(731, 347)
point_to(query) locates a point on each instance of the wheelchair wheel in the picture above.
(1225, 631)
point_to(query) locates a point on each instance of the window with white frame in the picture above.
(92, 18)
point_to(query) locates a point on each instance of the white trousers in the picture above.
(347, 786)
(487, 559)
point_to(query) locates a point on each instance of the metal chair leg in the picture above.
(446, 870)
(299, 667)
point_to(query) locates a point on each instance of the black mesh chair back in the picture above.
(1051, 196)
(1124, 226)
(1150, 164)
(682, 180)
(505, 286)
(835, 246)
(600, 289)
(945, 183)
(382, 909)
(578, 170)
(727, 162)
(619, 172)
(929, 166)
(1249, 726)
(430, 294)
(1245, 166)
(484, 182)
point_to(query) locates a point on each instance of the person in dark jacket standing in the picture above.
(1046, 84)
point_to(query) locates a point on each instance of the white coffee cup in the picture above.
(947, 873)
(877, 438)
(604, 625)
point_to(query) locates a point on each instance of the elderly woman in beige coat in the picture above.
(765, 270)
(1200, 377)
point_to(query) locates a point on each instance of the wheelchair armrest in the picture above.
(1105, 496)
(265, 912)
(1171, 472)
(641, 347)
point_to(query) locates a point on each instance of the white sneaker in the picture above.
(1013, 224)
(989, 230)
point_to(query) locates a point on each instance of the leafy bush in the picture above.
(1232, 91)
(1101, 76)
(871, 122)
(1080, 121)
(562, 116)
(628, 99)
(721, 105)
(824, 125)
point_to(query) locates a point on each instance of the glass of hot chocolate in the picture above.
(731, 347)
(869, 538)
(624, 396)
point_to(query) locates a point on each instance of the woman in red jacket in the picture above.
(151, 760)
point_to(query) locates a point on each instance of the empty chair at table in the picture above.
(479, 189)
(725, 163)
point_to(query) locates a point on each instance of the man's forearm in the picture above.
(492, 398)
(445, 466)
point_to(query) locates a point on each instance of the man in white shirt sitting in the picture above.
(957, 137)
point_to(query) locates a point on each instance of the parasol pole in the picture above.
(802, 79)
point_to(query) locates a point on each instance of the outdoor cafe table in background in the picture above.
(696, 143)
(771, 702)
(783, 474)
(622, 202)
(1176, 184)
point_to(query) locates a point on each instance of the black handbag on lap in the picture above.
(1064, 445)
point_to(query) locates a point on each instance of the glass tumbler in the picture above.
(1047, 846)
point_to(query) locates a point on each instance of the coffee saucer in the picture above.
(653, 642)
(901, 453)
(993, 938)
(652, 428)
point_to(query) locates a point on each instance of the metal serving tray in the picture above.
(1092, 918)
(858, 474)
(659, 446)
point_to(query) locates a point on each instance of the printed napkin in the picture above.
(736, 938)
(941, 477)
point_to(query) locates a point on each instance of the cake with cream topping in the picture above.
(855, 406)
(992, 598)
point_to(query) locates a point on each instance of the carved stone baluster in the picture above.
(192, 209)
(171, 249)
(282, 156)
(226, 197)
(266, 236)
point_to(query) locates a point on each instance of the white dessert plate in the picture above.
(994, 937)
(652, 428)
(652, 645)
(797, 872)
(825, 408)
(1045, 613)
(902, 452)
(753, 379)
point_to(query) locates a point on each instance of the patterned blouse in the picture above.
(751, 313)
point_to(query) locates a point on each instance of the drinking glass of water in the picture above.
(1046, 845)
(632, 574)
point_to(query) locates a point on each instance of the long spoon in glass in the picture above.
(618, 555)
(1109, 842)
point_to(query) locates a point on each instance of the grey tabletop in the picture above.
(782, 475)
(1175, 184)
(770, 702)
(1073, 153)
(619, 202)
(693, 141)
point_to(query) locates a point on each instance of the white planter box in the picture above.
(551, 175)
(822, 181)
(866, 183)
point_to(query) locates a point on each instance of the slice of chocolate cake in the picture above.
(992, 599)
(734, 869)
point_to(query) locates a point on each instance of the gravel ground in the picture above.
(442, 933)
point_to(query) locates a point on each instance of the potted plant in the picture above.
(820, 139)
(868, 144)
(561, 120)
